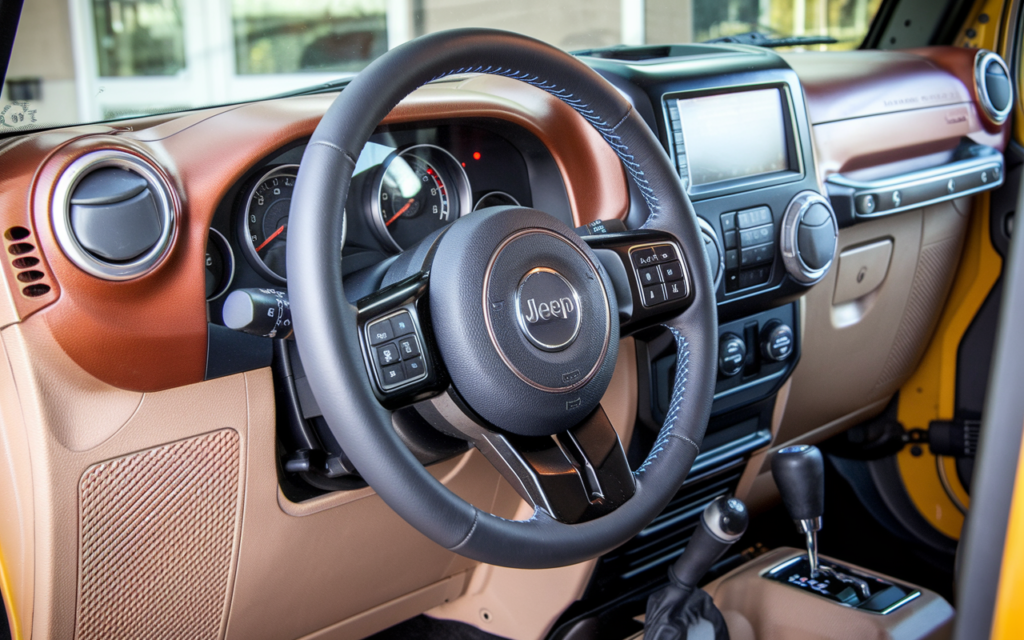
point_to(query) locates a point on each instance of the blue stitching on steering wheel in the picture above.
(607, 131)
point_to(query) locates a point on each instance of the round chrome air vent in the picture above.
(113, 215)
(993, 84)
(809, 238)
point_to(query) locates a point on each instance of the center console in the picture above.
(773, 596)
(735, 124)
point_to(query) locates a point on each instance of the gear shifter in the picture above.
(723, 522)
(799, 472)
(681, 606)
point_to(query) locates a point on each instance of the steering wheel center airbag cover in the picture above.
(523, 319)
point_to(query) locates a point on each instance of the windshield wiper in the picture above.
(758, 39)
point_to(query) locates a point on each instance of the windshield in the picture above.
(96, 60)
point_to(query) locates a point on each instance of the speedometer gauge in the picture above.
(265, 225)
(417, 191)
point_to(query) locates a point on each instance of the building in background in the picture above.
(118, 58)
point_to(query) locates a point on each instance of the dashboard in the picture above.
(891, 147)
(408, 183)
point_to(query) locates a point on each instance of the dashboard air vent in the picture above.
(995, 90)
(113, 215)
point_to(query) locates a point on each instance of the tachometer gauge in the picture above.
(265, 225)
(417, 191)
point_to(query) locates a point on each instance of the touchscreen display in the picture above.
(734, 135)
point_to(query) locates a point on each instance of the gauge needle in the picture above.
(270, 237)
(400, 212)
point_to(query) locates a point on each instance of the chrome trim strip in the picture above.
(950, 171)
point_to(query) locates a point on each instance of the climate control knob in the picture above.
(777, 341)
(809, 237)
(732, 353)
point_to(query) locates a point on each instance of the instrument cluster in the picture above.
(407, 183)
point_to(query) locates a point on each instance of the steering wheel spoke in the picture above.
(573, 476)
(650, 273)
(398, 344)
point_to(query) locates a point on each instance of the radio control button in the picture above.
(654, 295)
(649, 276)
(642, 257)
(675, 289)
(402, 324)
(388, 354)
(380, 332)
(392, 375)
(408, 347)
(672, 271)
(414, 368)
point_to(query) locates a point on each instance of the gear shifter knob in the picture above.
(799, 472)
(723, 522)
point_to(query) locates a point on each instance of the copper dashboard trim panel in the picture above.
(150, 333)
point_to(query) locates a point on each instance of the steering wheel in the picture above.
(517, 320)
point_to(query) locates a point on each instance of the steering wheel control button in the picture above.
(414, 368)
(777, 341)
(650, 275)
(388, 354)
(380, 332)
(732, 353)
(392, 375)
(654, 295)
(643, 257)
(667, 269)
(548, 309)
(402, 324)
(408, 347)
(398, 362)
(672, 271)
(675, 290)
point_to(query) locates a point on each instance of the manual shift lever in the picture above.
(680, 606)
(723, 522)
(799, 472)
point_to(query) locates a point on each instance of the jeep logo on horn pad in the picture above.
(548, 309)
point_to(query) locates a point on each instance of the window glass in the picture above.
(313, 35)
(80, 61)
(138, 37)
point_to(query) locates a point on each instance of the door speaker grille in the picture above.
(156, 534)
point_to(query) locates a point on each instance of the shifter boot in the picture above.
(679, 612)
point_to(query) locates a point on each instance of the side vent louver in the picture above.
(113, 215)
(24, 256)
(992, 82)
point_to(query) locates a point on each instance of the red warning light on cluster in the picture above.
(476, 155)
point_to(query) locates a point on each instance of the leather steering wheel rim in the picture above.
(326, 324)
